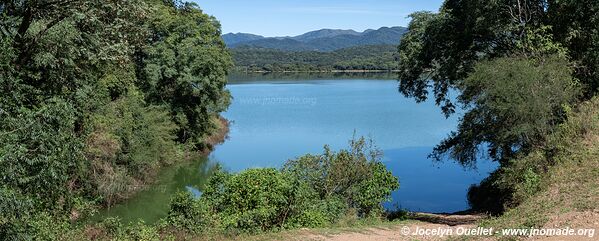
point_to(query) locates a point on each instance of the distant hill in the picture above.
(235, 38)
(324, 33)
(324, 40)
(368, 57)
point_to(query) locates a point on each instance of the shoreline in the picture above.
(318, 71)
(218, 137)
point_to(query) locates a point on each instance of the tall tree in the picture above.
(576, 25)
(441, 51)
(53, 54)
(185, 66)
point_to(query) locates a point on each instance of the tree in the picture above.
(576, 26)
(53, 54)
(78, 123)
(512, 105)
(184, 66)
(441, 52)
(61, 47)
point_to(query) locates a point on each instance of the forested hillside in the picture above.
(320, 50)
(370, 57)
(324, 40)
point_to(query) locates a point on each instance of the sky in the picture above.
(294, 17)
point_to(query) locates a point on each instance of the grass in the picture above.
(569, 191)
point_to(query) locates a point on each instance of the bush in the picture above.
(188, 214)
(256, 199)
(128, 142)
(15, 209)
(356, 175)
(21, 220)
(113, 229)
(312, 191)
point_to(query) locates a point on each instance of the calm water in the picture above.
(152, 204)
(276, 118)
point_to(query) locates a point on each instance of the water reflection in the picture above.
(153, 203)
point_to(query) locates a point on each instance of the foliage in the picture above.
(254, 199)
(184, 66)
(512, 104)
(259, 200)
(54, 56)
(21, 221)
(442, 49)
(518, 66)
(113, 229)
(77, 123)
(566, 170)
(188, 214)
(528, 174)
(15, 209)
(356, 175)
(575, 26)
(369, 57)
(40, 155)
(128, 142)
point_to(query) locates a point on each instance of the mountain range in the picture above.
(324, 40)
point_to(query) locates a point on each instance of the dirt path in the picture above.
(407, 231)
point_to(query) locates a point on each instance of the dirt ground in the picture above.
(409, 231)
(457, 223)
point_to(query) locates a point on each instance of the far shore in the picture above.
(319, 71)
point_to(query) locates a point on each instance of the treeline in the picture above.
(240, 77)
(96, 97)
(521, 68)
(370, 57)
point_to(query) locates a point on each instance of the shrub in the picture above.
(15, 209)
(254, 200)
(356, 175)
(141, 232)
(312, 191)
(188, 214)
(21, 219)
(128, 142)
(376, 189)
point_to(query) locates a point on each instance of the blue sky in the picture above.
(293, 17)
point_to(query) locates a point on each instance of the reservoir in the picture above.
(279, 117)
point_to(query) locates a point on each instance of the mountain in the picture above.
(324, 33)
(324, 40)
(235, 38)
(286, 44)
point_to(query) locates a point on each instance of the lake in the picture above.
(280, 117)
